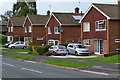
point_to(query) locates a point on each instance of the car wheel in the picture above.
(12, 47)
(68, 53)
(76, 53)
(24, 47)
(54, 53)
(64, 54)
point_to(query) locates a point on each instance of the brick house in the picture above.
(35, 31)
(15, 29)
(3, 27)
(63, 28)
(100, 28)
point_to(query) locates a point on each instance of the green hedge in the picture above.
(40, 50)
(3, 39)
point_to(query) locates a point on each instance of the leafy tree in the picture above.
(24, 7)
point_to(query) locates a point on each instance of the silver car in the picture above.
(77, 49)
(19, 44)
(61, 50)
(7, 44)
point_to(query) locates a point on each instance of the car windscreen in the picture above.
(80, 46)
(62, 47)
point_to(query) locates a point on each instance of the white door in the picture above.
(98, 46)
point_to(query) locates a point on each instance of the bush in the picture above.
(40, 50)
(3, 39)
(48, 53)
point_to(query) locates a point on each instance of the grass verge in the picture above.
(110, 59)
(1, 45)
(16, 50)
(66, 64)
(21, 56)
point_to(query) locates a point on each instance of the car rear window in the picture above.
(62, 47)
(80, 46)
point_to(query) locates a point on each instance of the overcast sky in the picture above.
(56, 5)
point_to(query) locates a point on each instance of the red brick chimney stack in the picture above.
(48, 12)
(76, 10)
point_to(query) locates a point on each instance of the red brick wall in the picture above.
(38, 31)
(71, 33)
(92, 17)
(114, 34)
(53, 22)
(9, 25)
(27, 23)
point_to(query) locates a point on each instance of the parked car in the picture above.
(7, 44)
(77, 49)
(58, 49)
(19, 44)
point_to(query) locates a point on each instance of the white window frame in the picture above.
(117, 40)
(25, 29)
(56, 30)
(67, 41)
(8, 38)
(98, 25)
(11, 29)
(52, 41)
(39, 38)
(49, 30)
(87, 42)
(29, 28)
(86, 28)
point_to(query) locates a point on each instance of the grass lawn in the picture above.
(16, 50)
(110, 59)
(21, 56)
(2, 52)
(66, 64)
(1, 45)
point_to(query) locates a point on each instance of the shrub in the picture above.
(40, 50)
(48, 53)
(3, 39)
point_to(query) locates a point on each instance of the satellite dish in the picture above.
(61, 29)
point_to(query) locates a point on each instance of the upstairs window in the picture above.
(49, 30)
(56, 30)
(100, 25)
(11, 29)
(25, 30)
(30, 29)
(86, 26)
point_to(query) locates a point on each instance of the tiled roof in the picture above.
(38, 19)
(17, 21)
(67, 18)
(111, 10)
(3, 23)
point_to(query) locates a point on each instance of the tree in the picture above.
(6, 15)
(24, 7)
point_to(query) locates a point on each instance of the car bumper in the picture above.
(83, 53)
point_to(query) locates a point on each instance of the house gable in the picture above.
(27, 21)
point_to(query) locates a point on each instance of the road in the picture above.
(12, 68)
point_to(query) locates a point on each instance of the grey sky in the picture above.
(56, 5)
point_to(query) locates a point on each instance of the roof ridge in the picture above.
(104, 4)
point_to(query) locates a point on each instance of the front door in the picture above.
(98, 46)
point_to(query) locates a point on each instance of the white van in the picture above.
(77, 49)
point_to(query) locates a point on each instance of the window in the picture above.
(56, 30)
(25, 30)
(39, 38)
(69, 41)
(86, 42)
(100, 25)
(9, 38)
(49, 30)
(117, 40)
(71, 46)
(11, 29)
(86, 26)
(30, 29)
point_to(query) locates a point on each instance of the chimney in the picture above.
(48, 12)
(76, 10)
